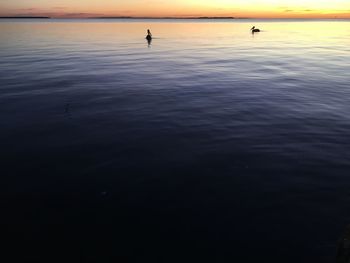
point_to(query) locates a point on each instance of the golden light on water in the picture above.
(180, 8)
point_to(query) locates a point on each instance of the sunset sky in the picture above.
(178, 8)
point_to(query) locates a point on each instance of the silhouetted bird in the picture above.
(149, 35)
(254, 30)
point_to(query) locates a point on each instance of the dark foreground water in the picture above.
(208, 145)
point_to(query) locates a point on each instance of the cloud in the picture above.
(28, 9)
(59, 7)
(303, 10)
(59, 14)
(77, 15)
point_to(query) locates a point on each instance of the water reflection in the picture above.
(214, 33)
(149, 41)
(211, 137)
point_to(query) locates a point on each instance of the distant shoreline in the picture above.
(25, 17)
(169, 18)
(118, 17)
(131, 17)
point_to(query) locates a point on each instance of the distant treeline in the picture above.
(131, 17)
(25, 17)
(123, 17)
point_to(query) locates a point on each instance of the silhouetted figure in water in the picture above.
(149, 35)
(254, 30)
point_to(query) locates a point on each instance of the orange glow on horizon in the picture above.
(179, 8)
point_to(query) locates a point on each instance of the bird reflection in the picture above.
(149, 41)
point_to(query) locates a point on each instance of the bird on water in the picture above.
(149, 35)
(254, 30)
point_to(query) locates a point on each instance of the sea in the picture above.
(206, 144)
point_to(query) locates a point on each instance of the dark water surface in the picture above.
(209, 145)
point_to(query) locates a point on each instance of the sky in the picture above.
(178, 8)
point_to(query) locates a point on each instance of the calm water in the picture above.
(209, 144)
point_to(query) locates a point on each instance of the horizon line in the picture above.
(166, 17)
